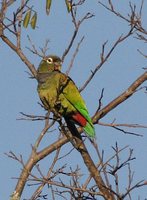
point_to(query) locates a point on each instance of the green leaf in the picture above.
(27, 19)
(33, 21)
(48, 5)
(68, 5)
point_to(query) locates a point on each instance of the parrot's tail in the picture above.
(71, 126)
(88, 127)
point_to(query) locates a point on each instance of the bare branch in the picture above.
(100, 100)
(116, 126)
(39, 189)
(77, 24)
(125, 95)
(20, 54)
(70, 44)
(105, 58)
(123, 125)
(74, 55)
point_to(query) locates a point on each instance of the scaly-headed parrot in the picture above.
(60, 95)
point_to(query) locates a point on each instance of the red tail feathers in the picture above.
(79, 119)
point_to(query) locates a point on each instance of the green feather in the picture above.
(72, 94)
(89, 129)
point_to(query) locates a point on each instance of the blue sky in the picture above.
(18, 92)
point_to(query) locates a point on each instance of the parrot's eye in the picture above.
(49, 60)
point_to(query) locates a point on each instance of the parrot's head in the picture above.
(50, 63)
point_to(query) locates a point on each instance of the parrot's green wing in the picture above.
(72, 94)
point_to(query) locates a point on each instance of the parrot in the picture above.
(60, 95)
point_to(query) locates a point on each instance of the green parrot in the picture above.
(60, 95)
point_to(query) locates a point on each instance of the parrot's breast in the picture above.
(48, 89)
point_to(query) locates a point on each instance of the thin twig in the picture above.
(105, 58)
(74, 55)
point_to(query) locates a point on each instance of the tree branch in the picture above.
(121, 98)
(21, 55)
(105, 58)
